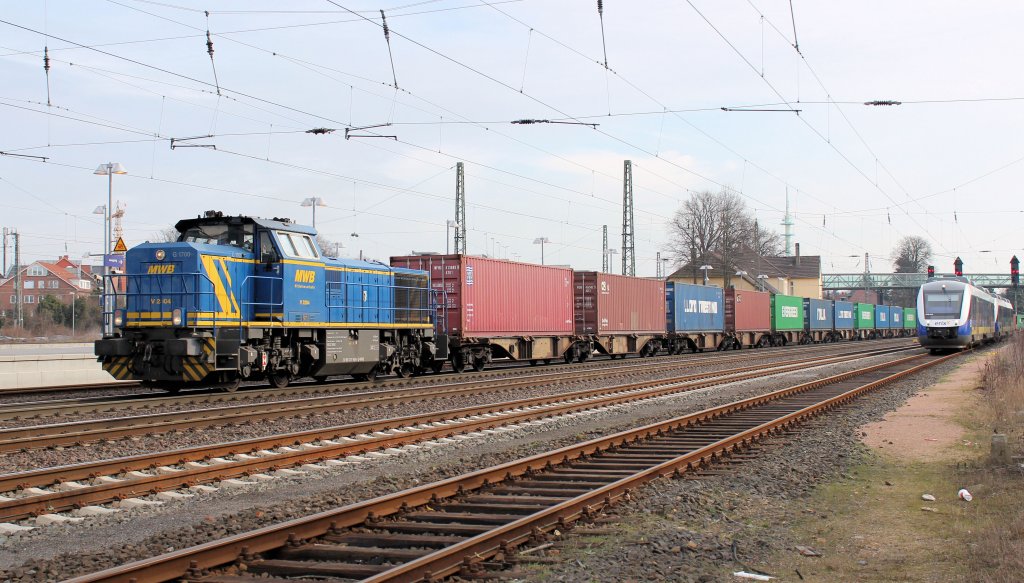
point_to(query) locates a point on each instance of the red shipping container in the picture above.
(617, 304)
(492, 297)
(747, 310)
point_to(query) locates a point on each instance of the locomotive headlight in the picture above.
(118, 318)
(160, 254)
(176, 317)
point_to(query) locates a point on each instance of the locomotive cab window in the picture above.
(267, 252)
(297, 245)
(240, 236)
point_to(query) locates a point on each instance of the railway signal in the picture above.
(958, 267)
(1014, 271)
(931, 271)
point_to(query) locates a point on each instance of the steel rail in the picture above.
(77, 432)
(356, 439)
(150, 400)
(192, 562)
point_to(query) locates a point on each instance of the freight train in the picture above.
(955, 314)
(240, 298)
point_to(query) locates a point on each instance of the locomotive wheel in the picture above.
(231, 386)
(458, 364)
(405, 371)
(279, 380)
(437, 366)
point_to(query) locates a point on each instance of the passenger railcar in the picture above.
(954, 314)
(242, 298)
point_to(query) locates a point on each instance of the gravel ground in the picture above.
(19, 461)
(704, 529)
(66, 550)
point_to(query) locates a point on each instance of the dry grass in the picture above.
(1003, 384)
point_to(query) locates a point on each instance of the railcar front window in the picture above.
(942, 304)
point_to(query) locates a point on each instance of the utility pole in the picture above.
(657, 268)
(604, 249)
(3, 274)
(460, 208)
(628, 236)
(19, 310)
(787, 222)
(867, 281)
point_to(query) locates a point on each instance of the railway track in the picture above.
(87, 431)
(150, 399)
(50, 490)
(467, 523)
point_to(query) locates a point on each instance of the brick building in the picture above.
(63, 279)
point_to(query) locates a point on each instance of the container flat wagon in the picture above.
(747, 319)
(883, 328)
(864, 321)
(695, 317)
(490, 308)
(844, 320)
(787, 319)
(909, 321)
(819, 321)
(616, 315)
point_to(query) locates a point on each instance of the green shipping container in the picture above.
(910, 318)
(864, 316)
(787, 313)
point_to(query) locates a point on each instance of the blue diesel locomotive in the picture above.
(240, 298)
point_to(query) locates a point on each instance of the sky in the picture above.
(127, 77)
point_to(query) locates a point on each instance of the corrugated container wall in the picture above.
(604, 303)
(864, 316)
(895, 317)
(491, 297)
(844, 315)
(747, 311)
(697, 308)
(787, 313)
(818, 314)
(909, 318)
(881, 317)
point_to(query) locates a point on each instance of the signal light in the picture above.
(931, 271)
(1014, 271)
(958, 267)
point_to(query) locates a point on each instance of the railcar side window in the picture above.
(297, 245)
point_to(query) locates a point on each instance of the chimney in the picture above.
(796, 259)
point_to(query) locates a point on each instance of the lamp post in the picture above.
(356, 235)
(314, 201)
(705, 269)
(449, 225)
(541, 241)
(109, 170)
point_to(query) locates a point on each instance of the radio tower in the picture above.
(604, 249)
(460, 208)
(628, 249)
(787, 222)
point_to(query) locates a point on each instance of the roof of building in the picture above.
(63, 268)
(773, 266)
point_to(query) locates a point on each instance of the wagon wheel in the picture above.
(279, 380)
(320, 380)
(479, 363)
(583, 357)
(366, 377)
(533, 362)
(437, 366)
(230, 386)
(405, 370)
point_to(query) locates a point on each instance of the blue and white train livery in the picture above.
(952, 314)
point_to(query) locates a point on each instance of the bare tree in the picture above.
(718, 225)
(912, 254)
(168, 235)
(328, 247)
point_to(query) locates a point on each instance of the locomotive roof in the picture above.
(212, 218)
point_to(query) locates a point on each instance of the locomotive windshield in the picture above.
(942, 304)
(240, 236)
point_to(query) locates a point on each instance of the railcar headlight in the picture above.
(176, 317)
(118, 318)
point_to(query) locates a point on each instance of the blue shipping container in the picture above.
(818, 314)
(882, 317)
(895, 317)
(696, 308)
(844, 315)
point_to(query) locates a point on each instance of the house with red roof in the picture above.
(63, 279)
